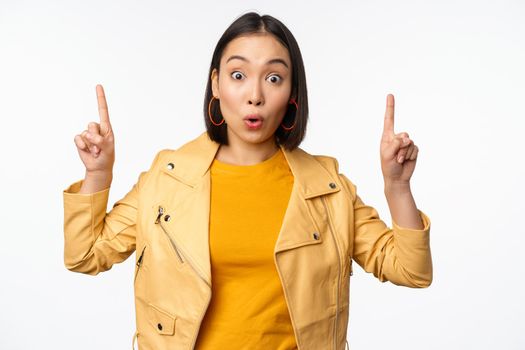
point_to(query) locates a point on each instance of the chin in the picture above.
(252, 136)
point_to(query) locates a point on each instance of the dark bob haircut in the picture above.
(250, 23)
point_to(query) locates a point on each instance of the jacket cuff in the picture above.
(410, 234)
(71, 195)
(424, 218)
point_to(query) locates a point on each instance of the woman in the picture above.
(243, 239)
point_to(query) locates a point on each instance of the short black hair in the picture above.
(249, 23)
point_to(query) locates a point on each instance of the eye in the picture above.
(274, 78)
(237, 75)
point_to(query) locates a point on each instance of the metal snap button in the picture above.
(167, 217)
(316, 236)
(170, 166)
(159, 326)
(332, 185)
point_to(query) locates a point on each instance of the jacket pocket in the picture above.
(161, 320)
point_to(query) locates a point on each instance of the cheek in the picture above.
(282, 96)
(280, 101)
(229, 95)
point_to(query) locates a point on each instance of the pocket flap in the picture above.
(161, 320)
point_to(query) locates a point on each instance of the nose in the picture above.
(256, 97)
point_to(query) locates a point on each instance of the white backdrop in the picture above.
(456, 69)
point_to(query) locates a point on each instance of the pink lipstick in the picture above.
(253, 121)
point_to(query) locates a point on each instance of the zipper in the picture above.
(323, 199)
(158, 221)
(139, 263)
(179, 255)
(177, 250)
(161, 211)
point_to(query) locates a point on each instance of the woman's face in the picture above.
(255, 81)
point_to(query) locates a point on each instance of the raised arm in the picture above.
(397, 254)
(400, 254)
(93, 239)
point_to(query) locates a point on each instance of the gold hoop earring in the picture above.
(209, 113)
(288, 128)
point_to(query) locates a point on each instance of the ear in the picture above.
(215, 83)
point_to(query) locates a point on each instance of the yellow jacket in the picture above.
(165, 217)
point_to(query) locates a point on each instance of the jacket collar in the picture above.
(193, 160)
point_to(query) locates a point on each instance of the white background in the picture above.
(456, 69)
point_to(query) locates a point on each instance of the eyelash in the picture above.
(276, 75)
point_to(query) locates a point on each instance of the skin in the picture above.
(96, 148)
(398, 155)
(251, 85)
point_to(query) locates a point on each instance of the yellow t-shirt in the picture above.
(247, 308)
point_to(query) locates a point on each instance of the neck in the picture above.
(245, 153)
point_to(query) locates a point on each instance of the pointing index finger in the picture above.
(388, 127)
(103, 109)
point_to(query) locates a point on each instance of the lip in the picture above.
(255, 124)
(253, 116)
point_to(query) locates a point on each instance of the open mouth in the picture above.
(253, 123)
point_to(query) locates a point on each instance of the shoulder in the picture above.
(331, 164)
(198, 146)
(160, 157)
(328, 162)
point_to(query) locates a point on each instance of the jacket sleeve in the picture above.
(399, 255)
(93, 239)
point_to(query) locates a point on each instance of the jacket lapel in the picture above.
(191, 163)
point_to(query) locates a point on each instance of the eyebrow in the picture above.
(272, 61)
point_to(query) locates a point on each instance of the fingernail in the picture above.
(400, 159)
(88, 135)
(405, 141)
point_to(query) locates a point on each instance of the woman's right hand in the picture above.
(96, 145)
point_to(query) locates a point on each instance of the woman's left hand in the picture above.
(398, 152)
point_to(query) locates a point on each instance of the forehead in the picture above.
(256, 47)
